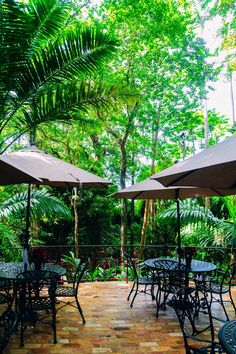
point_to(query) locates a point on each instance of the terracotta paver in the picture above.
(111, 326)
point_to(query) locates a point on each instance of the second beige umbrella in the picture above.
(151, 189)
(213, 167)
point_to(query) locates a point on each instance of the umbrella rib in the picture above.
(179, 178)
(136, 195)
(215, 190)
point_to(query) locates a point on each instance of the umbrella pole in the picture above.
(178, 226)
(26, 245)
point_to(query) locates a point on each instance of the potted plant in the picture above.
(38, 255)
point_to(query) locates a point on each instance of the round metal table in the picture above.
(10, 270)
(227, 337)
(196, 266)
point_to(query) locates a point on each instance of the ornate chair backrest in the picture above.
(226, 278)
(8, 321)
(80, 271)
(131, 265)
(172, 274)
(186, 303)
(34, 287)
(6, 296)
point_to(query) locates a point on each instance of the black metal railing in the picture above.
(106, 262)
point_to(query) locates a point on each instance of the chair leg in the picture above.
(21, 335)
(54, 328)
(158, 301)
(80, 309)
(231, 300)
(222, 304)
(152, 292)
(136, 292)
(131, 291)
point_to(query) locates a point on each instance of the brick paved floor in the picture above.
(111, 326)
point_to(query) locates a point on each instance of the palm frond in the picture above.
(190, 213)
(10, 243)
(71, 101)
(42, 204)
(37, 51)
(79, 53)
(49, 18)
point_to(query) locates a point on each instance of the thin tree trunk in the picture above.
(35, 229)
(124, 202)
(149, 204)
(144, 227)
(206, 138)
(232, 97)
(75, 203)
(132, 208)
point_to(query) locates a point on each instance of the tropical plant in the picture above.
(200, 227)
(43, 207)
(47, 61)
(10, 246)
(71, 263)
(42, 204)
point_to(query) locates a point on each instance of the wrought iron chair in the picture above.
(196, 325)
(218, 286)
(36, 300)
(64, 291)
(8, 321)
(171, 276)
(6, 292)
(148, 280)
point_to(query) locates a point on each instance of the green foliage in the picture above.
(190, 212)
(200, 226)
(47, 72)
(101, 274)
(71, 263)
(42, 204)
(10, 248)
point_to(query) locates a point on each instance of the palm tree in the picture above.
(42, 205)
(47, 64)
(200, 226)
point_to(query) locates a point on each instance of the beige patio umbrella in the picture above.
(214, 167)
(151, 189)
(39, 167)
(13, 175)
(50, 170)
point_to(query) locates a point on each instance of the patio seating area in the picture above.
(111, 325)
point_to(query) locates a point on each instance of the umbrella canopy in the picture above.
(14, 175)
(151, 189)
(214, 167)
(37, 167)
(48, 170)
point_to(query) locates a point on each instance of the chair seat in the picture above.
(8, 321)
(207, 350)
(65, 291)
(215, 288)
(169, 289)
(4, 299)
(39, 304)
(146, 281)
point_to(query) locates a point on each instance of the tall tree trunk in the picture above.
(124, 202)
(132, 207)
(32, 137)
(144, 227)
(149, 204)
(232, 97)
(206, 138)
(75, 203)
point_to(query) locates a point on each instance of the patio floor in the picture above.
(111, 326)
